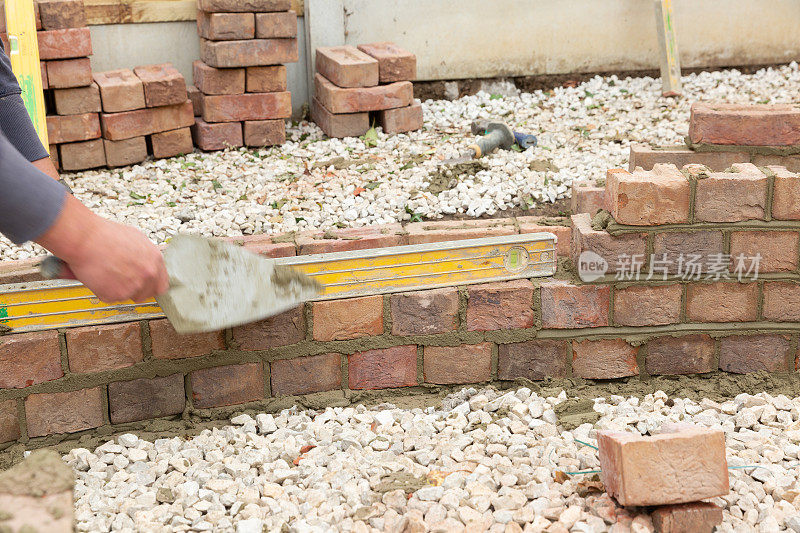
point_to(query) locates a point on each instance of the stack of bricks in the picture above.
(241, 95)
(351, 82)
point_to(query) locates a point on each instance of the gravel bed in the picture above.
(482, 461)
(582, 132)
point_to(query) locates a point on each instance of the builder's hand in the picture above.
(116, 262)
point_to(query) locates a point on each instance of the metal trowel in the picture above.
(215, 285)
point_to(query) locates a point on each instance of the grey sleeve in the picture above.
(30, 200)
(15, 122)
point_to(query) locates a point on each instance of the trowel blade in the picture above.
(216, 285)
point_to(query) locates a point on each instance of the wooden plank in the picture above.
(137, 11)
(668, 49)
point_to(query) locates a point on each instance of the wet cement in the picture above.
(42, 473)
(445, 177)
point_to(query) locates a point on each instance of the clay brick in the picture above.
(540, 224)
(447, 365)
(226, 26)
(789, 162)
(347, 66)
(751, 353)
(120, 90)
(503, 305)
(64, 412)
(337, 320)
(604, 359)
(217, 136)
(306, 375)
(778, 250)
(683, 249)
(689, 354)
(587, 198)
(786, 194)
(781, 301)
(53, 149)
(264, 132)
(43, 73)
(280, 330)
(359, 99)
(60, 14)
(118, 126)
(647, 157)
(239, 107)
(395, 64)
(646, 305)
(401, 119)
(172, 143)
(82, 155)
(276, 25)
(456, 230)
(65, 43)
(145, 399)
(99, 348)
(72, 128)
(250, 53)
(227, 385)
(613, 249)
(166, 343)
(648, 198)
(745, 125)
(565, 305)
(163, 85)
(29, 358)
(9, 421)
(383, 368)
(66, 73)
(235, 6)
(196, 98)
(534, 360)
(271, 79)
(125, 152)
(340, 125)
(694, 517)
(721, 302)
(210, 80)
(691, 466)
(348, 239)
(425, 312)
(263, 245)
(731, 196)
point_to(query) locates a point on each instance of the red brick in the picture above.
(227, 385)
(43, 74)
(504, 305)
(253, 6)
(53, 149)
(689, 354)
(276, 25)
(447, 365)
(744, 124)
(60, 14)
(226, 26)
(125, 152)
(348, 239)
(781, 301)
(695, 247)
(648, 198)
(72, 128)
(99, 348)
(778, 250)
(340, 125)
(456, 230)
(337, 320)
(560, 227)
(722, 302)
(144, 399)
(166, 343)
(250, 53)
(118, 126)
(395, 63)
(359, 99)
(66, 73)
(347, 66)
(64, 412)
(210, 80)
(604, 359)
(614, 249)
(383, 368)
(29, 358)
(535, 360)
(306, 375)
(789, 162)
(163, 85)
(647, 157)
(648, 305)
(271, 79)
(401, 119)
(731, 196)
(785, 195)
(217, 136)
(9, 421)
(196, 97)
(65, 43)
(565, 305)
(82, 155)
(280, 330)
(751, 353)
(587, 198)
(172, 143)
(264, 132)
(691, 466)
(425, 312)
(694, 517)
(263, 245)
(120, 90)
(239, 107)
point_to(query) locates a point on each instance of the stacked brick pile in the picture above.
(242, 96)
(351, 83)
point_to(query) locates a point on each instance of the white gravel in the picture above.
(482, 462)
(582, 130)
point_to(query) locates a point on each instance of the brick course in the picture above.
(778, 250)
(565, 305)
(64, 412)
(534, 360)
(29, 358)
(336, 320)
(227, 385)
(745, 125)
(99, 348)
(305, 375)
(781, 301)
(166, 343)
(750, 353)
(143, 399)
(468, 363)
(384, 368)
(280, 330)
(722, 302)
(425, 312)
(689, 354)
(648, 305)
(604, 359)
(503, 305)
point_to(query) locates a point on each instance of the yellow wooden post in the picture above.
(668, 49)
